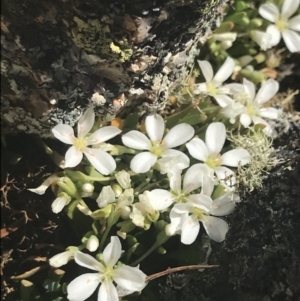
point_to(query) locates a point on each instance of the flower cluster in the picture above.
(239, 99)
(137, 185)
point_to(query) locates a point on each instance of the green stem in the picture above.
(156, 184)
(104, 236)
(96, 179)
(158, 243)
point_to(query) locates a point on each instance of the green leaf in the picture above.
(131, 122)
(190, 115)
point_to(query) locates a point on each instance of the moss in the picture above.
(94, 37)
(260, 147)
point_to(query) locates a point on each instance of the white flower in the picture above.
(161, 199)
(143, 213)
(123, 179)
(213, 85)
(263, 39)
(60, 202)
(252, 111)
(156, 146)
(129, 278)
(185, 217)
(209, 152)
(100, 159)
(283, 24)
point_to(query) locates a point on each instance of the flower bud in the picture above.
(106, 196)
(84, 210)
(263, 39)
(60, 259)
(170, 230)
(88, 187)
(92, 243)
(60, 202)
(68, 186)
(117, 190)
(123, 179)
(125, 212)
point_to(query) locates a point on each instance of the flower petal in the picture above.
(136, 140)
(263, 39)
(103, 134)
(207, 70)
(155, 127)
(161, 199)
(215, 227)
(233, 88)
(250, 89)
(292, 40)
(58, 204)
(193, 177)
(275, 34)
(175, 179)
(294, 23)
(289, 7)
(269, 11)
(171, 158)
(60, 259)
(226, 176)
(88, 261)
(177, 219)
(178, 135)
(223, 100)
(143, 162)
(190, 230)
(201, 201)
(225, 71)
(108, 292)
(270, 113)
(106, 196)
(245, 120)
(267, 130)
(130, 278)
(73, 157)
(64, 133)
(82, 287)
(235, 157)
(223, 205)
(85, 122)
(112, 252)
(101, 160)
(215, 137)
(198, 149)
(201, 88)
(208, 183)
(44, 186)
(267, 91)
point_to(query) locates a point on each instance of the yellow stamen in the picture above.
(199, 214)
(211, 88)
(282, 25)
(214, 161)
(157, 148)
(79, 144)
